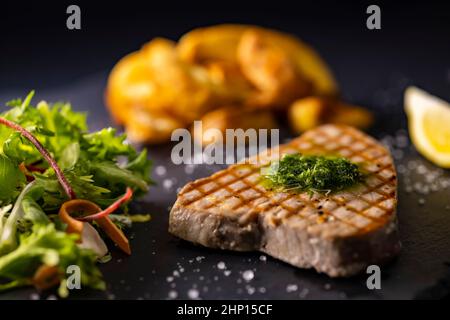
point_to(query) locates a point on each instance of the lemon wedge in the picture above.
(429, 125)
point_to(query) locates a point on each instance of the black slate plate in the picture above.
(164, 267)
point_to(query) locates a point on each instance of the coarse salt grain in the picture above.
(34, 296)
(248, 275)
(291, 288)
(304, 293)
(193, 294)
(172, 294)
(160, 170)
(167, 184)
(250, 290)
(189, 169)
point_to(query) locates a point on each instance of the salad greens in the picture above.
(99, 166)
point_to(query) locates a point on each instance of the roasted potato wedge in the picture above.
(351, 115)
(167, 85)
(143, 126)
(186, 90)
(229, 79)
(271, 70)
(155, 79)
(130, 84)
(307, 113)
(220, 42)
(211, 44)
(232, 118)
(308, 61)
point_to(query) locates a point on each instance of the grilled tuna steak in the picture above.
(339, 234)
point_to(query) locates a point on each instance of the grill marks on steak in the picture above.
(338, 234)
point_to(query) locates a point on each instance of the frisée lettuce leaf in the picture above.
(99, 166)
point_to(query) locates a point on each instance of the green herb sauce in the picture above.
(312, 173)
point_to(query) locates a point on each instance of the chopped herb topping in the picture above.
(311, 173)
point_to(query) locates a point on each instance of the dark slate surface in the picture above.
(372, 68)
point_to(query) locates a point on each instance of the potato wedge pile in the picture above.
(229, 76)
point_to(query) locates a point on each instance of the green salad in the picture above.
(59, 183)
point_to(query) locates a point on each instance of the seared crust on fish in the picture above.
(339, 234)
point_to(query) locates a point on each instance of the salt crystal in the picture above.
(401, 141)
(169, 279)
(421, 169)
(248, 275)
(221, 265)
(304, 293)
(263, 258)
(34, 296)
(167, 184)
(291, 288)
(250, 290)
(189, 169)
(160, 170)
(401, 169)
(193, 294)
(173, 294)
(227, 273)
(397, 154)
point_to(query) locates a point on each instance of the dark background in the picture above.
(38, 51)
(372, 68)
